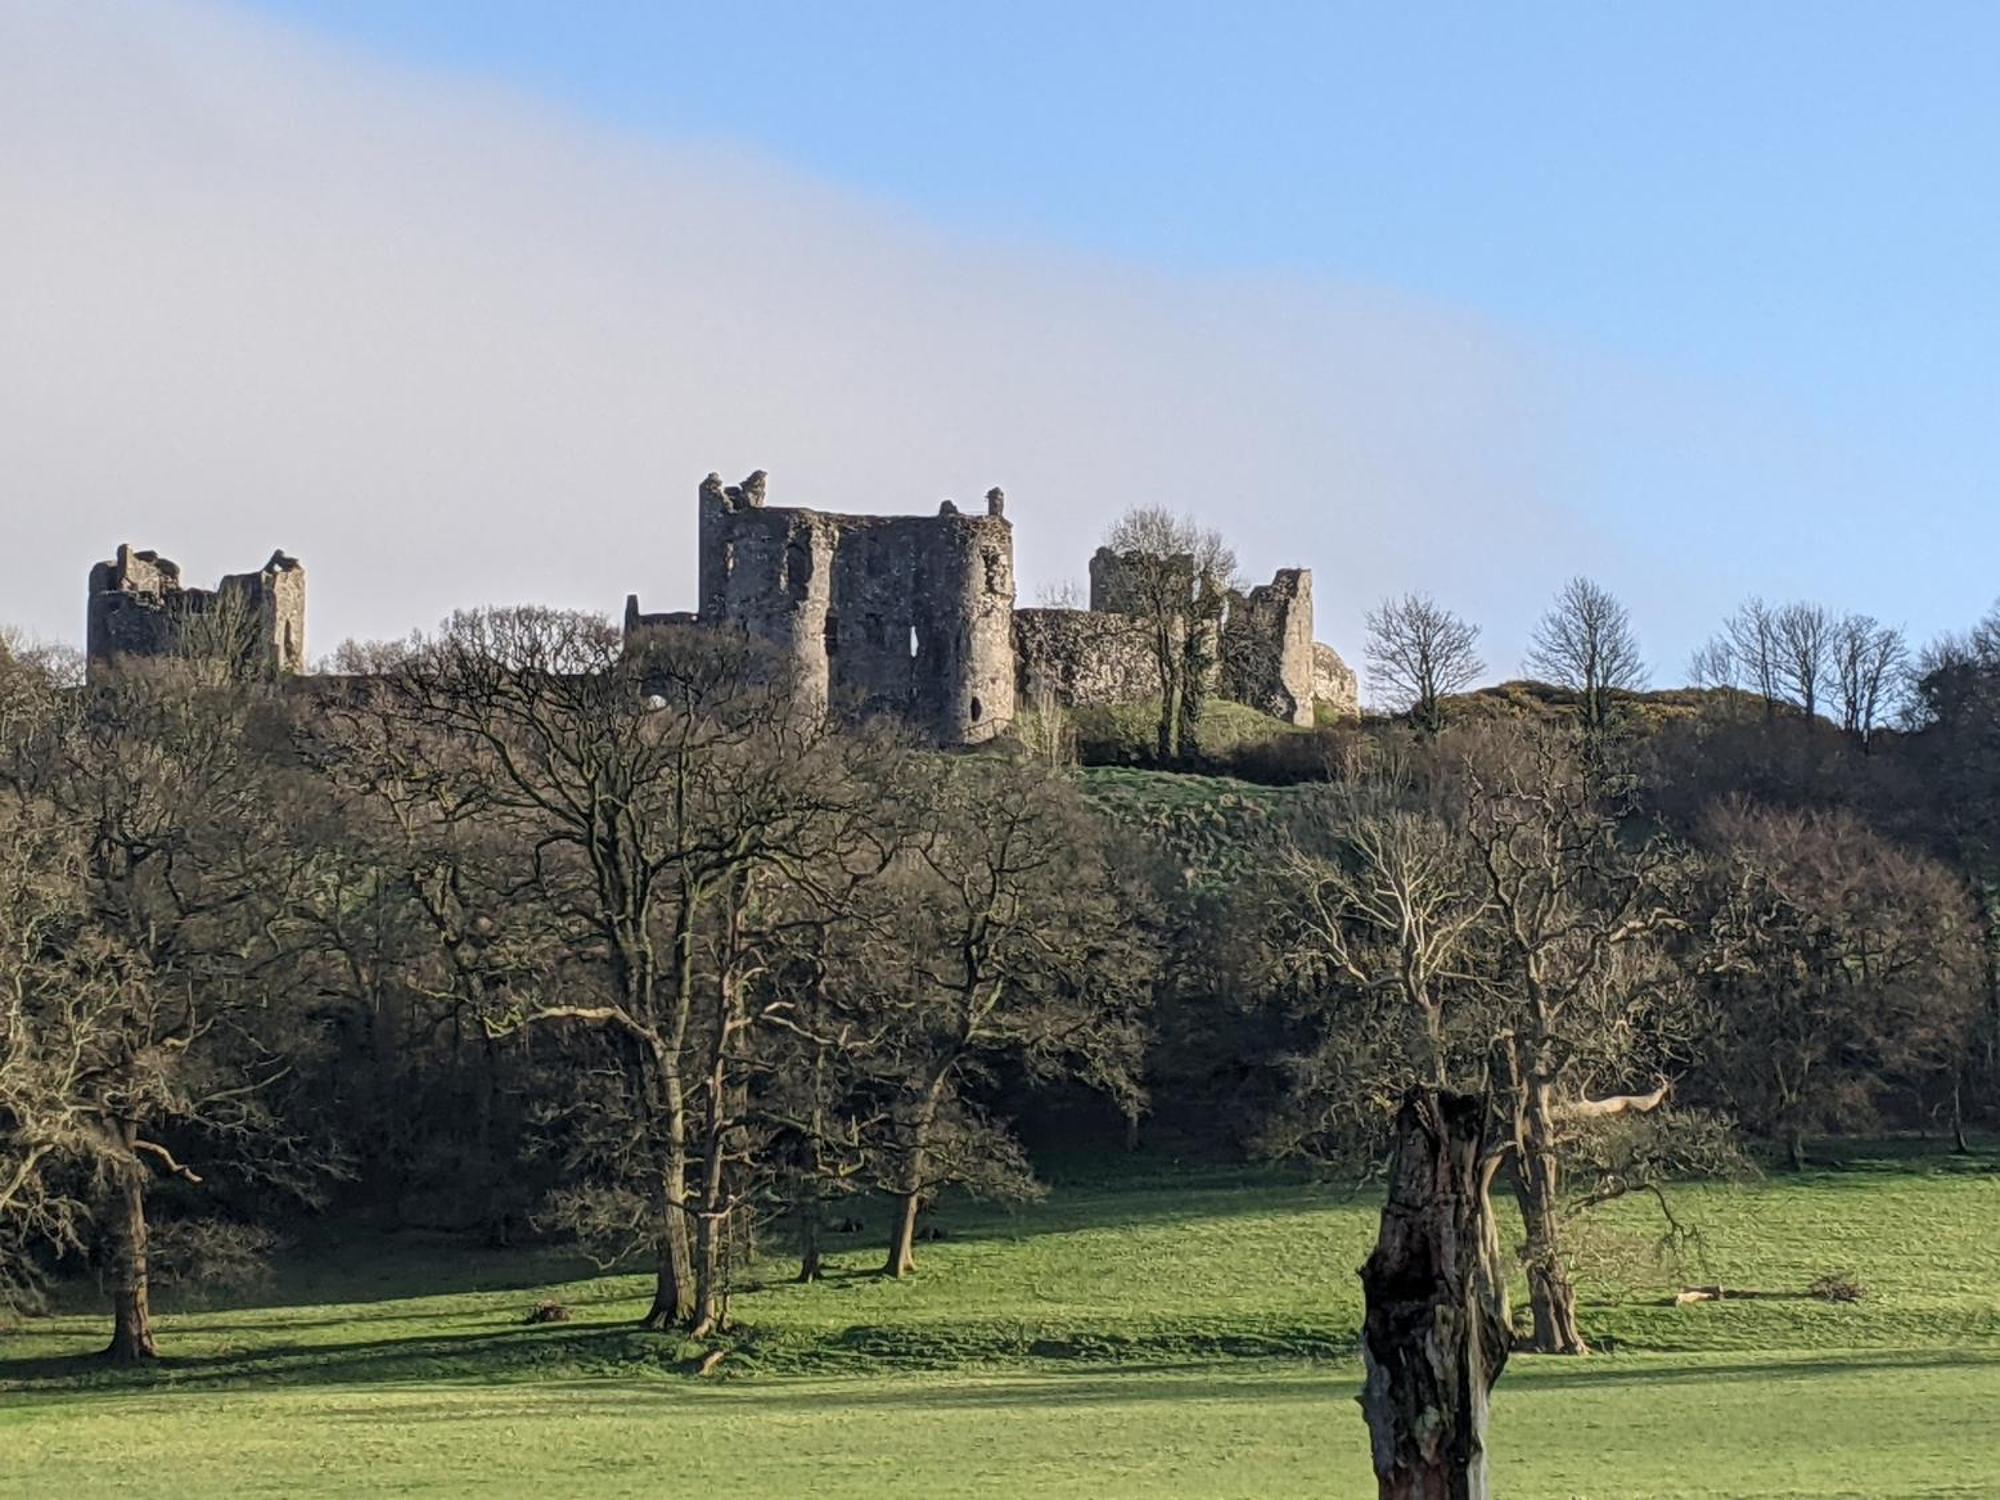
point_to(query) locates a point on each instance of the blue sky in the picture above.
(1802, 194)
(1724, 274)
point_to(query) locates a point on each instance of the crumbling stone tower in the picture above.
(1267, 647)
(904, 615)
(138, 608)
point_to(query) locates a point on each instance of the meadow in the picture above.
(1146, 1329)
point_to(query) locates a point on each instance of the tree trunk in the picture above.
(1170, 725)
(1795, 1149)
(131, 1296)
(711, 1274)
(812, 1257)
(713, 1225)
(902, 1259)
(674, 1280)
(1435, 1335)
(808, 1208)
(903, 1235)
(673, 1277)
(1537, 1188)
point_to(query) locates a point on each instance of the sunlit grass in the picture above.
(1143, 1331)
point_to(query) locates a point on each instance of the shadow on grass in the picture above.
(617, 1393)
(1134, 1384)
(603, 1351)
(476, 1355)
(1537, 1372)
(354, 1268)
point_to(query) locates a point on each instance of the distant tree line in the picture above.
(527, 930)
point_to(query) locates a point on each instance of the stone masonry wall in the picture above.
(1267, 647)
(139, 608)
(904, 615)
(1084, 658)
(1335, 687)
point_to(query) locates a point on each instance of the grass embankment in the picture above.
(1170, 1332)
(1213, 828)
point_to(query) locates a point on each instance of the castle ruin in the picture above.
(910, 617)
(914, 616)
(139, 608)
(903, 615)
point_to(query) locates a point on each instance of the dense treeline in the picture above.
(533, 931)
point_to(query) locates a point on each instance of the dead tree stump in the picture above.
(1436, 1333)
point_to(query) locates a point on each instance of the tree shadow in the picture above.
(482, 1354)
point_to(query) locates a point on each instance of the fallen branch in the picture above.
(1616, 1104)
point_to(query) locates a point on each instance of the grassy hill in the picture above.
(1650, 710)
(1144, 1330)
(1211, 827)
(1238, 742)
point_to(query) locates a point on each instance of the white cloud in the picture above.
(452, 348)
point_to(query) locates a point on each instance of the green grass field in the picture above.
(1152, 1332)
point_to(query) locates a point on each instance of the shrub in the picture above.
(1837, 1286)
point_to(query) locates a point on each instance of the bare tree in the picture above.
(1047, 730)
(1870, 659)
(1713, 664)
(1176, 575)
(1745, 654)
(1805, 655)
(1587, 1015)
(59, 987)
(1418, 652)
(1847, 971)
(150, 869)
(1017, 937)
(1585, 643)
(1384, 903)
(1789, 654)
(649, 790)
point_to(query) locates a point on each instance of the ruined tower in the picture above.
(905, 615)
(138, 608)
(1267, 647)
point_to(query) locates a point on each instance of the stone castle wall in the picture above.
(1266, 655)
(138, 607)
(1335, 686)
(903, 615)
(1080, 658)
(1267, 647)
(914, 616)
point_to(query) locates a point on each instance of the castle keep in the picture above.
(907, 616)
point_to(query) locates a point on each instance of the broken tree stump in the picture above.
(1436, 1333)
